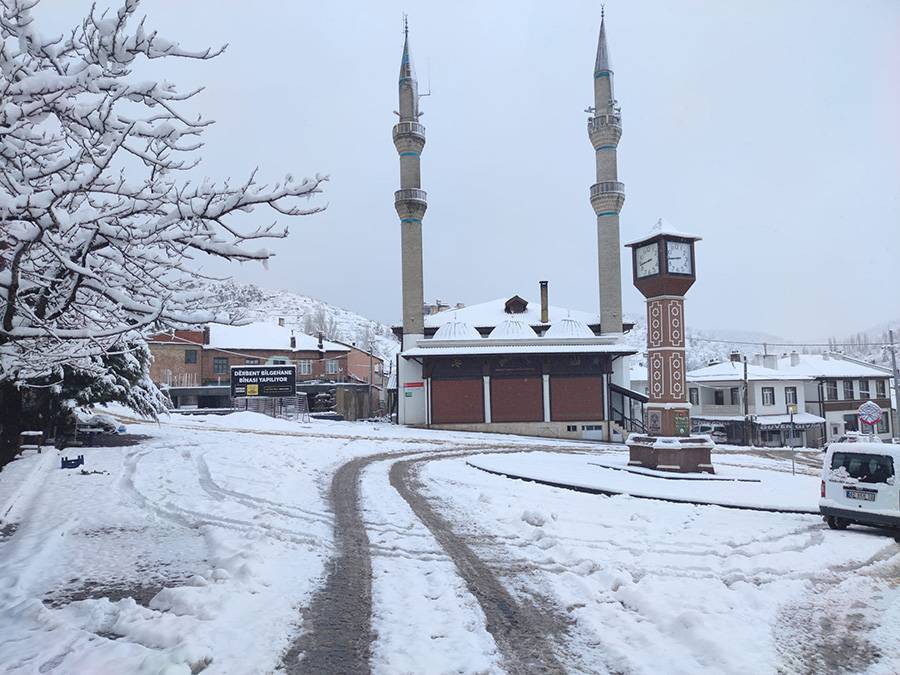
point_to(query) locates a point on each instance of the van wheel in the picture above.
(836, 523)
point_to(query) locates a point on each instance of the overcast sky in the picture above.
(769, 128)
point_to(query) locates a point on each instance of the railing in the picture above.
(413, 194)
(414, 128)
(606, 187)
(603, 120)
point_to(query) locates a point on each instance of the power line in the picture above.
(791, 344)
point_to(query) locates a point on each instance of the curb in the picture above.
(613, 493)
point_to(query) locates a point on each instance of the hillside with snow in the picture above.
(248, 302)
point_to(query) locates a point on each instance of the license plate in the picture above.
(862, 496)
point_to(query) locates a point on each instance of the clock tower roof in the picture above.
(662, 228)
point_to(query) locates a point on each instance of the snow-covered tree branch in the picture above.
(100, 237)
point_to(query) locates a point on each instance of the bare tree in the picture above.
(99, 238)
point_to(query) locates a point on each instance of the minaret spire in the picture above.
(410, 200)
(607, 194)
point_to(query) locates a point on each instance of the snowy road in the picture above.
(247, 545)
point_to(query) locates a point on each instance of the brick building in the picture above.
(192, 358)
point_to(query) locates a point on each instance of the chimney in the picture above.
(545, 308)
(321, 345)
(281, 321)
(735, 356)
(206, 334)
(293, 341)
(757, 360)
(795, 358)
(771, 361)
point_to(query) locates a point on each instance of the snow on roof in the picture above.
(816, 365)
(800, 419)
(513, 328)
(457, 330)
(492, 313)
(638, 373)
(261, 335)
(537, 346)
(663, 227)
(567, 327)
(729, 371)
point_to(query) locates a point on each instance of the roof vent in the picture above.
(515, 305)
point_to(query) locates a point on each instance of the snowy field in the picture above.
(202, 547)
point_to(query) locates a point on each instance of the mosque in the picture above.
(507, 365)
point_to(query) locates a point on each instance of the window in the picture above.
(790, 395)
(735, 396)
(279, 362)
(251, 361)
(190, 356)
(571, 427)
(880, 389)
(719, 397)
(882, 427)
(863, 388)
(694, 395)
(220, 365)
(305, 367)
(331, 367)
(831, 390)
(864, 468)
(768, 395)
(848, 390)
(851, 423)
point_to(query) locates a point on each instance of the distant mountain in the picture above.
(247, 301)
(705, 345)
(868, 344)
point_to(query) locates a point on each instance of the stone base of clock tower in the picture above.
(682, 454)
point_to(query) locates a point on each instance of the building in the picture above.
(510, 365)
(195, 365)
(827, 389)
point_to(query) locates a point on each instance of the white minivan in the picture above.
(860, 485)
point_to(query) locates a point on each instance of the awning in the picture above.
(802, 420)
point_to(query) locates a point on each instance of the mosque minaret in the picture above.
(410, 199)
(608, 193)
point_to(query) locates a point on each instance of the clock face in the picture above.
(647, 259)
(678, 257)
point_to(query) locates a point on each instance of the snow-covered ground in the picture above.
(198, 548)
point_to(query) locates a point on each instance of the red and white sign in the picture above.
(870, 413)
(413, 385)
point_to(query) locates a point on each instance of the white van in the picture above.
(860, 485)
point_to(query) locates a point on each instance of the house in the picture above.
(825, 391)
(195, 365)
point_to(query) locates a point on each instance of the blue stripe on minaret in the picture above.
(606, 147)
(410, 220)
(409, 154)
(604, 214)
(601, 73)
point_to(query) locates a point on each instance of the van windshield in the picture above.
(865, 468)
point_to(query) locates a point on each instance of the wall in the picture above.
(168, 366)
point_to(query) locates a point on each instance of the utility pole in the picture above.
(748, 432)
(893, 348)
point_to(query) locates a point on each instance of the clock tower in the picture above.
(663, 268)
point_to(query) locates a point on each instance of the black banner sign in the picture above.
(272, 381)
